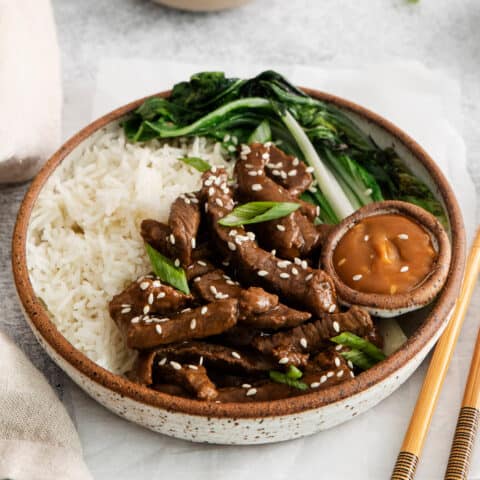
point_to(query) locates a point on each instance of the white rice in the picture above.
(84, 244)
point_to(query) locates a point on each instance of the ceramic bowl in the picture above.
(202, 5)
(262, 422)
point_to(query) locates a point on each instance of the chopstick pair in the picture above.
(413, 442)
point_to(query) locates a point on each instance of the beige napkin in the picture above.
(30, 88)
(38, 441)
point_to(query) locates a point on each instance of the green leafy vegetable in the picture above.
(280, 377)
(257, 212)
(197, 163)
(349, 168)
(165, 269)
(353, 341)
(359, 359)
(261, 134)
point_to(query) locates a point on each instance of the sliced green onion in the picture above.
(257, 212)
(280, 377)
(197, 163)
(294, 373)
(261, 134)
(165, 269)
(351, 340)
(359, 359)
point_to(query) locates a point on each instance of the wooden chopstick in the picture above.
(467, 423)
(427, 399)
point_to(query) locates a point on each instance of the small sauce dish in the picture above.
(390, 257)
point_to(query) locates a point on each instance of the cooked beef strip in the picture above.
(200, 322)
(156, 234)
(299, 284)
(257, 307)
(199, 268)
(146, 296)
(210, 355)
(238, 336)
(291, 236)
(184, 221)
(287, 171)
(291, 346)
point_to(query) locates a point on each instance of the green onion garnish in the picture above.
(197, 163)
(165, 269)
(257, 212)
(280, 377)
(294, 373)
(359, 359)
(261, 134)
(353, 341)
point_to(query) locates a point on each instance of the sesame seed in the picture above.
(332, 308)
(246, 385)
(196, 279)
(315, 385)
(323, 379)
(368, 191)
(340, 373)
(284, 275)
(283, 360)
(337, 362)
(204, 310)
(193, 324)
(262, 273)
(294, 271)
(341, 262)
(350, 364)
(127, 309)
(273, 252)
(357, 277)
(148, 319)
(172, 238)
(161, 320)
(226, 138)
(303, 342)
(200, 360)
(135, 320)
(252, 173)
(193, 367)
(292, 173)
(366, 238)
(248, 165)
(177, 262)
(206, 207)
(283, 263)
(330, 374)
(295, 162)
(251, 392)
(231, 148)
(236, 355)
(256, 187)
(214, 169)
(336, 326)
(312, 189)
(309, 277)
(163, 361)
(280, 228)
(146, 309)
(219, 202)
(158, 329)
(194, 242)
(310, 169)
(175, 365)
(404, 269)
(352, 374)
(317, 210)
(211, 191)
(225, 263)
(304, 264)
(144, 285)
(277, 173)
(213, 289)
(157, 283)
(202, 263)
(229, 282)
(266, 156)
(150, 299)
(338, 347)
(232, 246)
(283, 175)
(403, 236)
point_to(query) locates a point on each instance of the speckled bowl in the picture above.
(248, 423)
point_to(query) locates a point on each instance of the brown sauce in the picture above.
(385, 254)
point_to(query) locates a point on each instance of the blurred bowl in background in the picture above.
(202, 5)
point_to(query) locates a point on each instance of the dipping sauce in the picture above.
(385, 254)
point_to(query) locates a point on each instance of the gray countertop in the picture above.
(440, 33)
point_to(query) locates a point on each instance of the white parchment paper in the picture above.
(424, 103)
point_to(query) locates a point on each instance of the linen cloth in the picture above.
(426, 104)
(38, 440)
(30, 88)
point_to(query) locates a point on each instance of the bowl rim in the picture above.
(40, 320)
